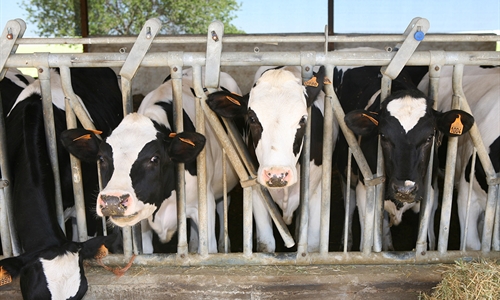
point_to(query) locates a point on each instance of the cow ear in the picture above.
(82, 143)
(361, 122)
(185, 146)
(455, 122)
(315, 85)
(227, 104)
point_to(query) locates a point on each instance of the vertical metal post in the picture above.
(182, 246)
(201, 162)
(444, 227)
(326, 181)
(50, 134)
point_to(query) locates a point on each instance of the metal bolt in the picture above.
(307, 69)
(4, 183)
(183, 255)
(175, 69)
(214, 36)
(40, 70)
(436, 68)
(256, 50)
(304, 254)
(148, 32)
(10, 36)
(423, 253)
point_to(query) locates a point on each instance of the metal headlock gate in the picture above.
(235, 150)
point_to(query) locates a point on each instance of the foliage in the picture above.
(127, 17)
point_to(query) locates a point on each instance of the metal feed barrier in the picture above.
(235, 150)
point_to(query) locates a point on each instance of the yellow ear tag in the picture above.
(326, 81)
(5, 277)
(374, 121)
(457, 126)
(311, 82)
(233, 100)
(187, 141)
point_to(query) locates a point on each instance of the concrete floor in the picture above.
(258, 282)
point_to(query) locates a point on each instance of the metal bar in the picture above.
(7, 232)
(304, 191)
(276, 38)
(201, 162)
(14, 30)
(182, 245)
(225, 202)
(331, 258)
(469, 196)
(426, 207)
(50, 135)
(214, 50)
(76, 172)
(444, 228)
(248, 220)
(326, 181)
(338, 58)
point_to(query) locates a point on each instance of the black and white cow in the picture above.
(137, 163)
(51, 265)
(406, 124)
(11, 86)
(481, 87)
(276, 113)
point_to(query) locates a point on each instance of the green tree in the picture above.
(127, 17)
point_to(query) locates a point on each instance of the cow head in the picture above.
(276, 113)
(136, 164)
(407, 125)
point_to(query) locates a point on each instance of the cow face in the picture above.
(407, 125)
(136, 164)
(276, 112)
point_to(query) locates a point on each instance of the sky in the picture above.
(351, 16)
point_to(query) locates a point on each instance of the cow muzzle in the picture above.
(112, 205)
(405, 191)
(277, 177)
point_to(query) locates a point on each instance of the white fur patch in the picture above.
(407, 110)
(63, 275)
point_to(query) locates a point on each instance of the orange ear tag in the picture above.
(82, 137)
(5, 277)
(374, 121)
(172, 135)
(187, 141)
(101, 252)
(233, 100)
(457, 126)
(311, 82)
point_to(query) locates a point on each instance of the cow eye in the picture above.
(303, 121)
(155, 159)
(101, 160)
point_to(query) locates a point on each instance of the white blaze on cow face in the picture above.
(279, 105)
(408, 111)
(125, 152)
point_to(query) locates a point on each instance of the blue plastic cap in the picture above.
(419, 35)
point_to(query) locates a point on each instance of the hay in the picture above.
(468, 280)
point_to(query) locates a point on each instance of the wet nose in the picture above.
(113, 205)
(405, 188)
(277, 176)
